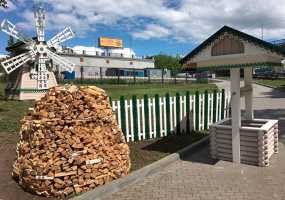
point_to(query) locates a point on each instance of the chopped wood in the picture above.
(65, 173)
(70, 143)
(94, 161)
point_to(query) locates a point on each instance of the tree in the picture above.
(3, 3)
(167, 62)
(10, 41)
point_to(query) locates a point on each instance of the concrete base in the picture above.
(21, 87)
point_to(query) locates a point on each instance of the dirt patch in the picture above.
(148, 151)
(10, 190)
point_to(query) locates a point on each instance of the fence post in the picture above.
(223, 105)
(215, 106)
(81, 74)
(157, 115)
(123, 115)
(101, 75)
(146, 115)
(206, 110)
(187, 112)
(178, 121)
(197, 112)
(162, 75)
(135, 118)
(118, 75)
(134, 75)
(167, 101)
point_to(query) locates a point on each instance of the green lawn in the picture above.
(276, 83)
(115, 91)
(12, 111)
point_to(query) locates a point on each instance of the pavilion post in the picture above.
(236, 113)
(249, 94)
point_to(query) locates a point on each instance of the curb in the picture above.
(119, 184)
(265, 85)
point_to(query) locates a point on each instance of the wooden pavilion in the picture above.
(246, 140)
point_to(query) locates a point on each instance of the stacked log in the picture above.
(258, 142)
(70, 143)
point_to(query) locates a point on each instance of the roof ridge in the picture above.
(243, 35)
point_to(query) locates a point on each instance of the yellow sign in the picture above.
(110, 42)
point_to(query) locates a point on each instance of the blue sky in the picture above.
(150, 27)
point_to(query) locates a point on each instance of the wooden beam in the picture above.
(236, 113)
(248, 95)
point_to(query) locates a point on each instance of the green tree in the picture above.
(167, 62)
(3, 3)
(10, 41)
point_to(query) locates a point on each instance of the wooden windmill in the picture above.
(30, 73)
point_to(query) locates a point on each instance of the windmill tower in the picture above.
(30, 73)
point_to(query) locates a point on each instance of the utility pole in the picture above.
(262, 31)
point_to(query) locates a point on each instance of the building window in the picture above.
(131, 63)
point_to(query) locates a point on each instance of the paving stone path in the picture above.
(199, 177)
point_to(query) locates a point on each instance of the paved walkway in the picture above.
(199, 177)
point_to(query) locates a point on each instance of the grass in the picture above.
(115, 91)
(11, 112)
(276, 83)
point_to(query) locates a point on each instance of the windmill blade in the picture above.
(64, 35)
(17, 61)
(9, 28)
(42, 73)
(60, 61)
(39, 14)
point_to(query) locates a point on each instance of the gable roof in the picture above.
(258, 42)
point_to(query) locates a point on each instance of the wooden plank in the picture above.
(123, 116)
(178, 114)
(135, 118)
(187, 111)
(206, 111)
(197, 110)
(236, 113)
(157, 115)
(168, 118)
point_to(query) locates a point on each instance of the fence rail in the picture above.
(155, 117)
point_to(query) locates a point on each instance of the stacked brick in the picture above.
(257, 143)
(70, 143)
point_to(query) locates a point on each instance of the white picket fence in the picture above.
(139, 124)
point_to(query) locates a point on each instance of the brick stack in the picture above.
(70, 143)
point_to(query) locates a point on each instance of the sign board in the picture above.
(110, 42)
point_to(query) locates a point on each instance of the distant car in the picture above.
(266, 75)
(183, 75)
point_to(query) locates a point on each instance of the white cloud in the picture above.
(152, 31)
(184, 20)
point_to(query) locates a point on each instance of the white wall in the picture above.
(109, 62)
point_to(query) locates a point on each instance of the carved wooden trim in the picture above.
(227, 45)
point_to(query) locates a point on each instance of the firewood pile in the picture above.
(70, 143)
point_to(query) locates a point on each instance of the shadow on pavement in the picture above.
(200, 154)
(274, 93)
